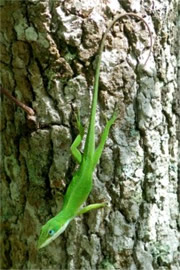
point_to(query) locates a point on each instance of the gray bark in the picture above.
(48, 51)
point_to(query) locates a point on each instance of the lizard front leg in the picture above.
(91, 207)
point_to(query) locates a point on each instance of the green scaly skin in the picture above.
(81, 184)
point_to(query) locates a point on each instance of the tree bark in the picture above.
(48, 56)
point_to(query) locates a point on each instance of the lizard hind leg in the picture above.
(104, 136)
(74, 147)
(79, 124)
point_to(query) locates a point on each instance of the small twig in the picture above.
(27, 109)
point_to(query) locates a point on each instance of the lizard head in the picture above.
(51, 230)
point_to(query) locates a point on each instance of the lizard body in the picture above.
(81, 184)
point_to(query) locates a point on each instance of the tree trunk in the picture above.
(48, 56)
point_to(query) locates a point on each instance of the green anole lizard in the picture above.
(81, 184)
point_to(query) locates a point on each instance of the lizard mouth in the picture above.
(54, 236)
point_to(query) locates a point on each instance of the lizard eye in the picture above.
(51, 232)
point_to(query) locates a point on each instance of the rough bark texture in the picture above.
(48, 51)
